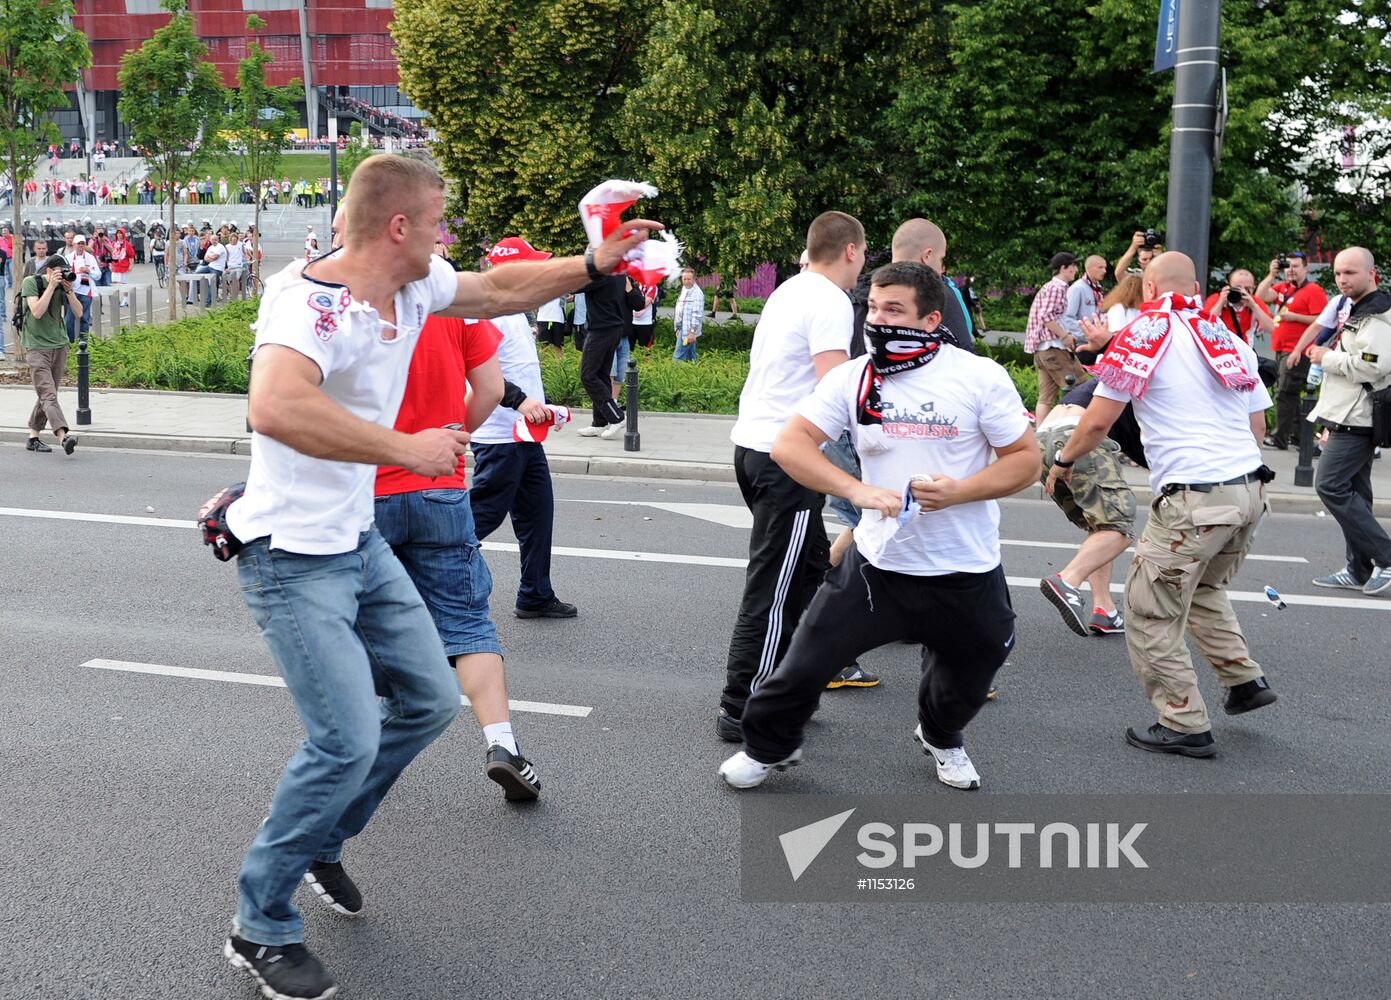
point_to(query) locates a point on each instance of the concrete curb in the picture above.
(627, 466)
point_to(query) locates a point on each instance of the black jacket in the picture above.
(608, 305)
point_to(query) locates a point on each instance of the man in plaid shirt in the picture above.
(1047, 340)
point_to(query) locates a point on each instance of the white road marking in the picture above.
(268, 680)
(732, 516)
(68, 515)
(675, 558)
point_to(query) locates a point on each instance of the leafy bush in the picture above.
(1009, 312)
(199, 354)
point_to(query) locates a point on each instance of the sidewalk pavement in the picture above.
(672, 445)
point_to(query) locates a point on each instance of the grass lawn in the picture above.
(296, 166)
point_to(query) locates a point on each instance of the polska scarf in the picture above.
(1135, 352)
(891, 350)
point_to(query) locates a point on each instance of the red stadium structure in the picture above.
(341, 51)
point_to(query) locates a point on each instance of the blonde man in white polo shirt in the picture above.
(1201, 409)
(349, 633)
(803, 333)
(949, 428)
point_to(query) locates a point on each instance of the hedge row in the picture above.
(208, 354)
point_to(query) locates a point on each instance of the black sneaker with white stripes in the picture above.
(284, 972)
(514, 773)
(333, 885)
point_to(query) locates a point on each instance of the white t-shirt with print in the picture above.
(310, 505)
(1335, 314)
(943, 418)
(806, 315)
(517, 357)
(1194, 429)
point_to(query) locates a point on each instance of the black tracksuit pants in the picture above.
(596, 361)
(788, 556)
(963, 620)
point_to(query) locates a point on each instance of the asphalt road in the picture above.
(129, 798)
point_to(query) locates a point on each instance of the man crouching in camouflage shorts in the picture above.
(1098, 501)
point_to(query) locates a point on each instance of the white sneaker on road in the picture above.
(590, 431)
(742, 771)
(954, 767)
(611, 431)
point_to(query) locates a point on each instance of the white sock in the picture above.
(500, 734)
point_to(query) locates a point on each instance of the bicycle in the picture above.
(161, 272)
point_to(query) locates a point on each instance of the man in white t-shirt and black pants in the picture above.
(347, 629)
(948, 429)
(803, 333)
(1201, 409)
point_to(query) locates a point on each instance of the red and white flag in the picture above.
(601, 211)
(529, 433)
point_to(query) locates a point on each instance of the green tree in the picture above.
(172, 101)
(259, 117)
(355, 150)
(525, 95)
(40, 54)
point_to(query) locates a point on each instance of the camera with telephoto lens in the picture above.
(68, 275)
(1153, 240)
(1234, 298)
(1282, 261)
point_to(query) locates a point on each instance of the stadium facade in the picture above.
(341, 50)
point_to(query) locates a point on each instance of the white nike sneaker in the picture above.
(742, 771)
(590, 431)
(954, 767)
(611, 431)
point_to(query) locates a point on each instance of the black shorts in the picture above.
(643, 334)
(551, 333)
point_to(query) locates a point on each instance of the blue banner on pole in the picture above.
(1166, 39)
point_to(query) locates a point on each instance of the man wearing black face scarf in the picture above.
(926, 419)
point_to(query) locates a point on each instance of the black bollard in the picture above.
(249, 355)
(1304, 471)
(84, 374)
(632, 440)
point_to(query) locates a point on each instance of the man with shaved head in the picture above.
(921, 241)
(1236, 305)
(1084, 295)
(1355, 363)
(1201, 410)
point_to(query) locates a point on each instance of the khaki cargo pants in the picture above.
(1191, 550)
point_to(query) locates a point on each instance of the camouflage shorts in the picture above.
(1098, 499)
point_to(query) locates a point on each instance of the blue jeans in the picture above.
(86, 324)
(684, 352)
(620, 360)
(370, 681)
(431, 532)
(842, 455)
(208, 287)
(515, 479)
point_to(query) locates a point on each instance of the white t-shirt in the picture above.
(215, 256)
(1118, 315)
(236, 254)
(646, 315)
(311, 505)
(1335, 314)
(1194, 429)
(552, 312)
(520, 366)
(806, 315)
(946, 418)
(88, 271)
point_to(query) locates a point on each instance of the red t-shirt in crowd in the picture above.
(1245, 317)
(1308, 300)
(436, 392)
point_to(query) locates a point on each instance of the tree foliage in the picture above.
(41, 53)
(355, 150)
(260, 116)
(1021, 128)
(172, 101)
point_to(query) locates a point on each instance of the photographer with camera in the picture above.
(45, 342)
(1298, 302)
(1144, 247)
(1236, 305)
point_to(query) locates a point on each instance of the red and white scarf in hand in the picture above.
(1136, 351)
(528, 433)
(601, 211)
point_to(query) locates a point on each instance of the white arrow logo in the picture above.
(802, 846)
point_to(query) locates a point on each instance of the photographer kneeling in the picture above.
(45, 340)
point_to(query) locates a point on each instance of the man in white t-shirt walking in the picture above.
(803, 333)
(355, 644)
(1201, 409)
(927, 419)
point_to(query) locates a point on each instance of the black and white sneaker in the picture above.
(514, 773)
(284, 972)
(334, 886)
(1068, 600)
